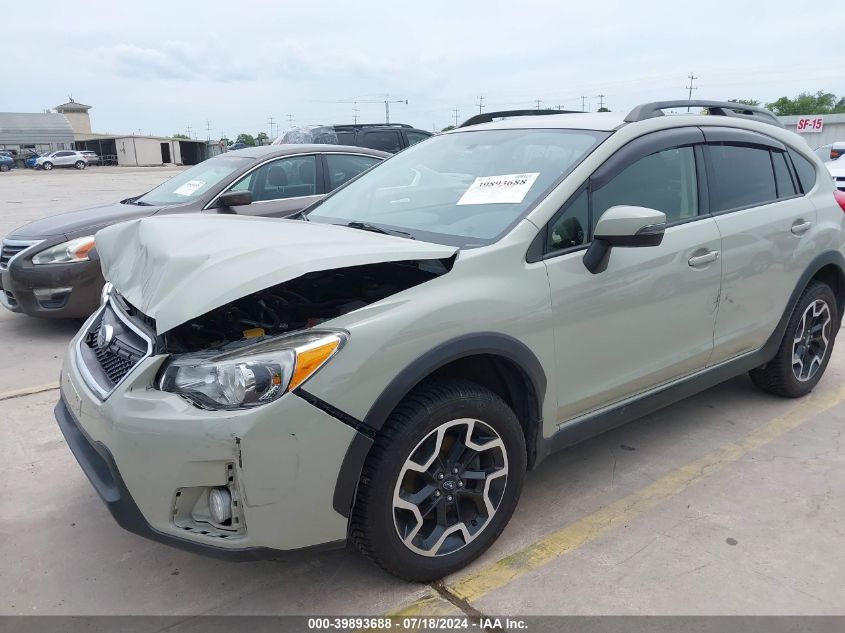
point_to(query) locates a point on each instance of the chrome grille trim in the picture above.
(12, 249)
(101, 391)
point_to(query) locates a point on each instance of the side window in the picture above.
(344, 167)
(665, 181)
(805, 169)
(569, 229)
(346, 138)
(415, 137)
(386, 141)
(742, 176)
(783, 179)
(292, 177)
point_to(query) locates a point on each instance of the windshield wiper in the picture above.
(366, 226)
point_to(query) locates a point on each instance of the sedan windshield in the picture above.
(463, 189)
(194, 182)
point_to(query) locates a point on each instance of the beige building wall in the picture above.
(80, 122)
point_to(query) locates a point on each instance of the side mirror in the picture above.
(623, 226)
(233, 199)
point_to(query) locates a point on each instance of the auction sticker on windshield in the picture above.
(506, 189)
(189, 188)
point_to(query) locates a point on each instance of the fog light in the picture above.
(220, 504)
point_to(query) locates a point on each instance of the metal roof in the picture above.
(26, 128)
(73, 105)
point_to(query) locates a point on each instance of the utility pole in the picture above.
(558, 107)
(270, 121)
(691, 78)
(455, 110)
(601, 102)
(387, 102)
(480, 103)
(189, 131)
(538, 102)
(290, 120)
(355, 112)
(208, 130)
(583, 103)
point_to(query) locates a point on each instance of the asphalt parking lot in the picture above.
(728, 503)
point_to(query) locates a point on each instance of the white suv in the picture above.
(62, 158)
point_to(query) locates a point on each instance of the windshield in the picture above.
(462, 189)
(194, 182)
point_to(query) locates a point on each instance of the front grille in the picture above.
(10, 249)
(111, 348)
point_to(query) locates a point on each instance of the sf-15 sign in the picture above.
(809, 124)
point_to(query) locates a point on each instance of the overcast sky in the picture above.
(162, 66)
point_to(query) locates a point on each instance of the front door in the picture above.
(649, 317)
(281, 187)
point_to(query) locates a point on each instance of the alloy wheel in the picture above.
(450, 487)
(811, 340)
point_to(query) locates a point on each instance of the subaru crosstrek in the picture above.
(385, 368)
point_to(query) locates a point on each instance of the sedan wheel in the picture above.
(80, 164)
(47, 166)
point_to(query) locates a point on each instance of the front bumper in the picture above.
(81, 284)
(142, 448)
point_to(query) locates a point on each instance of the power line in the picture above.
(691, 78)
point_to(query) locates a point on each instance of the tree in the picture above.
(603, 109)
(805, 103)
(179, 136)
(246, 139)
(447, 128)
(261, 138)
(751, 102)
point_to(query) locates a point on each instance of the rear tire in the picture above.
(47, 166)
(80, 164)
(441, 482)
(806, 347)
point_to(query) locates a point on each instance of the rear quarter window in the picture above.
(805, 169)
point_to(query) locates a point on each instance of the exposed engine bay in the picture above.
(300, 303)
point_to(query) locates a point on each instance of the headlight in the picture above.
(73, 251)
(253, 375)
(105, 293)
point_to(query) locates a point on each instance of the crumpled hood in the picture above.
(175, 268)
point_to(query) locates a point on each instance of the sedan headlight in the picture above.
(67, 252)
(253, 375)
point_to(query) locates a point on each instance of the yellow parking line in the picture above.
(28, 391)
(575, 535)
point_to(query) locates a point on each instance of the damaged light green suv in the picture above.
(384, 369)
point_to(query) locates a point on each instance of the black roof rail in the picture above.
(357, 126)
(718, 108)
(487, 117)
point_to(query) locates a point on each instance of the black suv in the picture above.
(386, 137)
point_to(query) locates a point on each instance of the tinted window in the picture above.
(386, 141)
(742, 177)
(343, 167)
(284, 178)
(416, 137)
(570, 228)
(783, 179)
(196, 181)
(664, 181)
(346, 138)
(805, 169)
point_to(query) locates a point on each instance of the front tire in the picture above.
(442, 480)
(4, 168)
(806, 346)
(47, 166)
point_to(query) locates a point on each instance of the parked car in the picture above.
(237, 146)
(6, 162)
(31, 158)
(61, 158)
(48, 268)
(91, 158)
(836, 169)
(387, 137)
(831, 151)
(388, 367)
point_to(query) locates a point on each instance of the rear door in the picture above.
(384, 140)
(765, 223)
(341, 168)
(648, 318)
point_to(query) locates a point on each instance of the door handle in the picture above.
(800, 227)
(703, 260)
